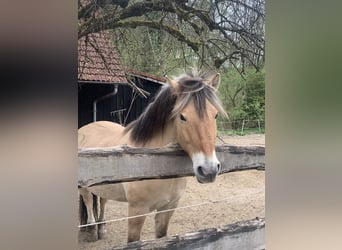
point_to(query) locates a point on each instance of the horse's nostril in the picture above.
(218, 166)
(200, 171)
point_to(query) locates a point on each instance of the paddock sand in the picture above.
(244, 193)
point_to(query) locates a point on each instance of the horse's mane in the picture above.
(168, 103)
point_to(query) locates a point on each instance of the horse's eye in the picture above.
(182, 117)
(216, 116)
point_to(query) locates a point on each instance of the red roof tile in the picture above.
(145, 75)
(98, 59)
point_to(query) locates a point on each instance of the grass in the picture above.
(245, 131)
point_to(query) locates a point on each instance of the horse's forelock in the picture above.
(195, 88)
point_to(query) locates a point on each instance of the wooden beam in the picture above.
(248, 234)
(120, 164)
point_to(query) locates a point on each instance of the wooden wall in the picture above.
(109, 109)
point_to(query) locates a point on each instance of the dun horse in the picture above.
(183, 112)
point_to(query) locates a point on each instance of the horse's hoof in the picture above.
(102, 234)
(102, 231)
(88, 234)
(91, 238)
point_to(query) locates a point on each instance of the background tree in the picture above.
(243, 98)
(254, 99)
(209, 33)
(163, 36)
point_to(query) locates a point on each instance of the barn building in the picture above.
(106, 91)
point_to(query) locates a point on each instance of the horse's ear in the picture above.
(172, 83)
(215, 81)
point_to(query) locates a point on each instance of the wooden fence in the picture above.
(248, 235)
(121, 164)
(98, 166)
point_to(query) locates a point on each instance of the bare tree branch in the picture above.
(237, 25)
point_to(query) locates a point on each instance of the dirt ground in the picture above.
(243, 194)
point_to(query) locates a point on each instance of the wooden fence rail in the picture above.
(240, 235)
(99, 166)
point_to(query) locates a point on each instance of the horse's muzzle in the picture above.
(206, 168)
(207, 174)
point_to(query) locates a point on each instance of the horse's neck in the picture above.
(168, 136)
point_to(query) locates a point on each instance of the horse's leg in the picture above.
(88, 202)
(101, 227)
(135, 224)
(162, 219)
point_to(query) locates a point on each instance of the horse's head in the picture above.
(195, 113)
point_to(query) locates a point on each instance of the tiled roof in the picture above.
(148, 76)
(98, 59)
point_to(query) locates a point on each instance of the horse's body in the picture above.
(183, 113)
(142, 196)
